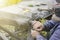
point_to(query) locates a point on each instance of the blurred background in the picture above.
(15, 15)
(4, 3)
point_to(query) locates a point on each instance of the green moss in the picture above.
(30, 5)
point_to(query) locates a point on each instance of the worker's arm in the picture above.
(46, 26)
(54, 36)
(49, 24)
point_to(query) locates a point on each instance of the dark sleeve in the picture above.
(49, 24)
(56, 34)
(39, 37)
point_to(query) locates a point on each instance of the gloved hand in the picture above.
(34, 33)
(37, 25)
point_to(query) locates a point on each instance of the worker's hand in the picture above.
(37, 25)
(34, 33)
